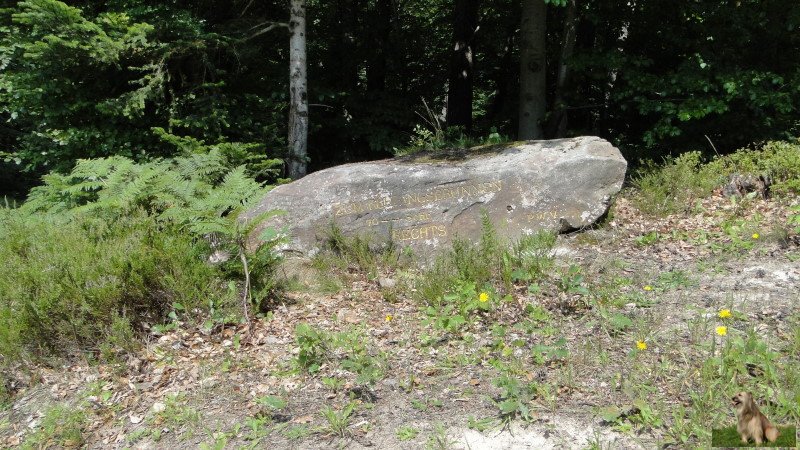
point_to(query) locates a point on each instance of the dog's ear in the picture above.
(748, 400)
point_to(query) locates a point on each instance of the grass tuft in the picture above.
(729, 437)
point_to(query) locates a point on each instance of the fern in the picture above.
(174, 190)
(199, 193)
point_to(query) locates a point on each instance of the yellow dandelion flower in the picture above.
(722, 330)
(724, 314)
(389, 317)
(648, 288)
(641, 345)
(484, 297)
(755, 236)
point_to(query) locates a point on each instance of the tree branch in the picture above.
(249, 4)
(271, 27)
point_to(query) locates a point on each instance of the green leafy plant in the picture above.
(406, 433)
(625, 417)
(675, 185)
(424, 404)
(220, 442)
(257, 429)
(177, 412)
(314, 350)
(358, 359)
(613, 322)
(360, 251)
(486, 423)
(348, 349)
(774, 160)
(297, 432)
(271, 405)
(549, 353)
(674, 279)
(454, 310)
(648, 239)
(338, 421)
(439, 440)
(794, 219)
(532, 255)
(572, 281)
(62, 426)
(467, 262)
(199, 193)
(115, 233)
(333, 383)
(514, 398)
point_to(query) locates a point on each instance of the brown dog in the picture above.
(752, 424)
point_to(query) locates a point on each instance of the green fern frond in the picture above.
(218, 225)
(209, 166)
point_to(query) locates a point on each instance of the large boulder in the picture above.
(426, 201)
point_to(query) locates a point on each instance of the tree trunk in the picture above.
(503, 79)
(379, 33)
(622, 36)
(459, 95)
(532, 74)
(559, 120)
(298, 96)
(345, 47)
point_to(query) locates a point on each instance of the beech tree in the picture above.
(298, 93)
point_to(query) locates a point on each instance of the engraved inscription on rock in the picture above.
(553, 185)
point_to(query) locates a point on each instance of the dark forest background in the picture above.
(136, 78)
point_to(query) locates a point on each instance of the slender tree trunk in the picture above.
(298, 95)
(246, 297)
(459, 95)
(503, 79)
(379, 32)
(532, 74)
(621, 37)
(559, 121)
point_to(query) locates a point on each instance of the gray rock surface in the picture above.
(424, 202)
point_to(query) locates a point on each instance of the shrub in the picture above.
(96, 254)
(69, 283)
(62, 427)
(778, 160)
(673, 186)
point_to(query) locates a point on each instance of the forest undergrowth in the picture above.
(117, 331)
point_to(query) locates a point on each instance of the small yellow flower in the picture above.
(389, 317)
(724, 314)
(641, 345)
(648, 288)
(484, 297)
(755, 236)
(722, 330)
